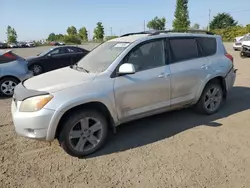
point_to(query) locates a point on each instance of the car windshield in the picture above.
(45, 52)
(99, 59)
(246, 38)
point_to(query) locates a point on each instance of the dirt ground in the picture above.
(177, 149)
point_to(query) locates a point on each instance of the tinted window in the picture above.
(147, 56)
(208, 45)
(8, 57)
(183, 49)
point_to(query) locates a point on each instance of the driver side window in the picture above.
(147, 56)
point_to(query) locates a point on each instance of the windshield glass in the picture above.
(99, 59)
(246, 38)
(45, 52)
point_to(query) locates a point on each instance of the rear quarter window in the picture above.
(208, 45)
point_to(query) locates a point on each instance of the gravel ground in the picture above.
(176, 149)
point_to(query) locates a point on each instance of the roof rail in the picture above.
(157, 32)
(183, 31)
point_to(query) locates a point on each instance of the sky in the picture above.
(36, 19)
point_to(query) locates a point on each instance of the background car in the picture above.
(13, 70)
(12, 45)
(21, 44)
(245, 48)
(3, 45)
(55, 58)
(30, 44)
(237, 43)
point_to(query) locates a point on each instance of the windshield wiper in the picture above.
(76, 67)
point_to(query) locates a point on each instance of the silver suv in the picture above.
(127, 78)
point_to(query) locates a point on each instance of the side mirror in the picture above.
(126, 68)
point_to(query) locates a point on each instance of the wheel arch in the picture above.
(10, 76)
(95, 105)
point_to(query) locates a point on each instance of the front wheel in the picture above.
(211, 99)
(83, 133)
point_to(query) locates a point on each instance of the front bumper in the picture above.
(245, 50)
(33, 125)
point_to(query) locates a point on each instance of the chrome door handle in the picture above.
(162, 75)
(204, 66)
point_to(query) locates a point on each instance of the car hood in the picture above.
(57, 80)
(247, 43)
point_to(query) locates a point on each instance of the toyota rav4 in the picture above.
(123, 79)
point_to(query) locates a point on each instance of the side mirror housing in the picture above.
(126, 68)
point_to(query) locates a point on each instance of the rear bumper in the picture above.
(230, 78)
(23, 77)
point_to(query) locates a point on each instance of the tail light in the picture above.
(229, 57)
(10, 55)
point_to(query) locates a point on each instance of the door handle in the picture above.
(163, 75)
(204, 66)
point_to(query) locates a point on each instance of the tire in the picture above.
(36, 69)
(204, 106)
(7, 86)
(83, 134)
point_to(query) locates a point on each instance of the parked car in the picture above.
(237, 43)
(13, 69)
(59, 43)
(21, 45)
(55, 58)
(30, 44)
(12, 45)
(123, 79)
(245, 49)
(3, 45)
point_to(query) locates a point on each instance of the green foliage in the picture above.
(55, 37)
(11, 35)
(99, 32)
(229, 33)
(83, 34)
(110, 37)
(222, 21)
(195, 26)
(74, 39)
(72, 30)
(157, 23)
(181, 21)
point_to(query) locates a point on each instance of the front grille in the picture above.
(246, 49)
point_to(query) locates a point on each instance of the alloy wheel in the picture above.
(85, 134)
(7, 87)
(213, 99)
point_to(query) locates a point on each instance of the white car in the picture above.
(237, 43)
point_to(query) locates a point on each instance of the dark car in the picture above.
(55, 58)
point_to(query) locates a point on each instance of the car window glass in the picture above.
(208, 45)
(147, 56)
(54, 52)
(183, 49)
(71, 50)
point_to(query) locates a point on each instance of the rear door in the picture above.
(189, 68)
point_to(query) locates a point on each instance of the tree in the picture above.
(72, 39)
(181, 21)
(11, 35)
(83, 34)
(52, 37)
(195, 26)
(157, 23)
(72, 30)
(222, 21)
(99, 32)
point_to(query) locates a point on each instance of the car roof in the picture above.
(135, 37)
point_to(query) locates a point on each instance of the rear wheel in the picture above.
(211, 99)
(36, 69)
(7, 86)
(83, 133)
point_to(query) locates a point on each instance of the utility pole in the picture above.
(209, 18)
(111, 33)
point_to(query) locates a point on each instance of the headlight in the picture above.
(34, 104)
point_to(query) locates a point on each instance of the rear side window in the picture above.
(183, 49)
(8, 57)
(208, 45)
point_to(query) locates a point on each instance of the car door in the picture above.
(148, 90)
(188, 69)
(59, 58)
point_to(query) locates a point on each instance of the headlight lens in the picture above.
(34, 104)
